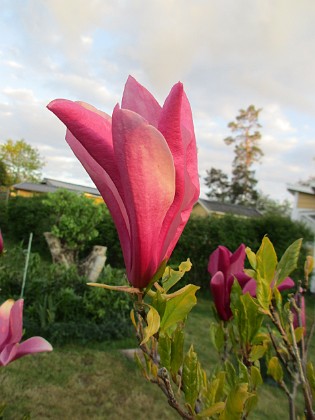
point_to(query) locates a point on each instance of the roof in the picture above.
(308, 189)
(235, 209)
(51, 185)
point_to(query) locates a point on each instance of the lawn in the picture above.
(96, 381)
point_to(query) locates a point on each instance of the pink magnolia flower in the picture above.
(251, 286)
(1, 243)
(143, 160)
(224, 267)
(11, 325)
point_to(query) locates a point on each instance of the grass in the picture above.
(97, 381)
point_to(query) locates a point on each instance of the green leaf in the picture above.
(310, 374)
(257, 352)
(230, 377)
(171, 277)
(288, 262)
(251, 403)
(251, 257)
(253, 317)
(243, 373)
(177, 350)
(235, 402)
(255, 377)
(190, 377)
(159, 302)
(178, 306)
(211, 411)
(263, 294)
(165, 351)
(153, 320)
(275, 369)
(217, 335)
(266, 260)
(298, 332)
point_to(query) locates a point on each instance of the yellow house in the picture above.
(304, 211)
(29, 189)
(304, 203)
(205, 208)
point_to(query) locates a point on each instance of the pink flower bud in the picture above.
(143, 160)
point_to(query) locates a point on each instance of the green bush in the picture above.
(203, 235)
(26, 215)
(59, 305)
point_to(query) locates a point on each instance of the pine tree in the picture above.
(246, 138)
(218, 183)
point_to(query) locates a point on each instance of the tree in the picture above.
(73, 219)
(270, 207)
(219, 185)
(3, 174)
(246, 137)
(21, 161)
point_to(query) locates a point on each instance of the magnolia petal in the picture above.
(242, 278)
(92, 128)
(148, 176)
(31, 346)
(218, 290)
(7, 354)
(16, 322)
(287, 283)
(250, 287)
(219, 260)
(177, 127)
(108, 191)
(138, 99)
(5, 310)
(237, 260)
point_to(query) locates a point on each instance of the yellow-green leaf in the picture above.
(211, 411)
(171, 277)
(190, 377)
(178, 306)
(165, 351)
(251, 257)
(153, 320)
(266, 260)
(275, 369)
(257, 352)
(298, 332)
(235, 402)
(310, 374)
(288, 261)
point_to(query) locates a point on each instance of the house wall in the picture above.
(198, 210)
(305, 201)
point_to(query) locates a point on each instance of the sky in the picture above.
(228, 54)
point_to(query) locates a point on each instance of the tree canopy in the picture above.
(19, 162)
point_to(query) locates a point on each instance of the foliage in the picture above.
(22, 162)
(240, 189)
(263, 330)
(203, 235)
(246, 149)
(73, 218)
(58, 303)
(26, 215)
(218, 185)
(269, 206)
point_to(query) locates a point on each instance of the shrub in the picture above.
(203, 235)
(58, 303)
